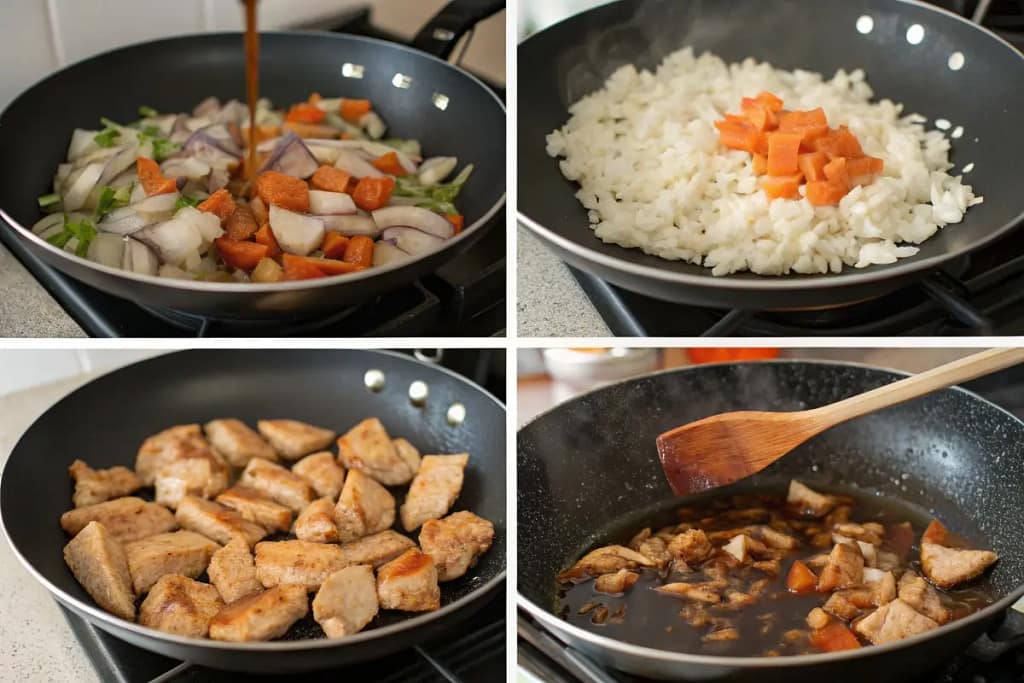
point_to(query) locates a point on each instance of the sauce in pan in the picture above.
(770, 620)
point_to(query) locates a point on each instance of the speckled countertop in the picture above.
(26, 308)
(549, 301)
(37, 642)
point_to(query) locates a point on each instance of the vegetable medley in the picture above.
(168, 195)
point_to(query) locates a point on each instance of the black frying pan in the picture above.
(588, 471)
(104, 422)
(576, 56)
(177, 73)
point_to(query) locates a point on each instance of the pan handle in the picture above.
(457, 18)
(1003, 636)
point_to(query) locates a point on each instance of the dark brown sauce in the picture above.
(645, 617)
(252, 82)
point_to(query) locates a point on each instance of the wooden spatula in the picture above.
(722, 449)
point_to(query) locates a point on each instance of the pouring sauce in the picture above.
(252, 81)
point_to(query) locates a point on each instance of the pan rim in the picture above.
(107, 621)
(849, 277)
(632, 650)
(249, 287)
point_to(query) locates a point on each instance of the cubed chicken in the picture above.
(215, 521)
(166, 447)
(98, 562)
(237, 443)
(434, 489)
(293, 439)
(845, 568)
(409, 453)
(256, 507)
(920, 595)
(617, 583)
(377, 549)
(692, 546)
(456, 542)
(606, 560)
(177, 604)
(347, 601)
(201, 474)
(233, 571)
(261, 616)
(97, 486)
(949, 567)
(316, 523)
(745, 549)
(700, 592)
(894, 621)
(178, 552)
(277, 484)
(881, 584)
(323, 473)
(818, 619)
(858, 532)
(409, 583)
(652, 547)
(368, 448)
(774, 539)
(297, 563)
(127, 519)
(807, 501)
(364, 507)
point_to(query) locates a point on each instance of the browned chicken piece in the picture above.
(846, 604)
(177, 604)
(691, 546)
(233, 571)
(616, 583)
(316, 523)
(894, 621)
(347, 601)
(368, 448)
(882, 586)
(277, 483)
(726, 633)
(297, 563)
(200, 474)
(701, 592)
(98, 562)
(322, 473)
(653, 548)
(237, 443)
(261, 616)
(817, 618)
(256, 507)
(808, 501)
(215, 521)
(127, 519)
(377, 549)
(456, 542)
(606, 560)
(774, 538)
(167, 446)
(407, 452)
(948, 567)
(178, 552)
(97, 486)
(770, 567)
(294, 439)
(737, 599)
(858, 532)
(845, 569)
(364, 507)
(920, 595)
(434, 488)
(409, 583)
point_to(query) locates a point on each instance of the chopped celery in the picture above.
(148, 112)
(184, 201)
(48, 200)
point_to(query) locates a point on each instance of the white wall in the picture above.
(23, 368)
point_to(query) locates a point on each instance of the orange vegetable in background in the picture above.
(839, 143)
(863, 170)
(300, 268)
(220, 203)
(801, 579)
(359, 251)
(305, 113)
(834, 637)
(266, 237)
(334, 245)
(782, 186)
(457, 220)
(241, 255)
(152, 178)
(333, 266)
(310, 130)
(330, 179)
(812, 165)
(373, 193)
(353, 110)
(783, 151)
(760, 164)
(713, 355)
(389, 163)
(282, 190)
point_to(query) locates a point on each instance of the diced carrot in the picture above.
(152, 178)
(241, 255)
(457, 220)
(801, 579)
(334, 266)
(737, 135)
(241, 224)
(300, 268)
(863, 170)
(783, 150)
(794, 120)
(389, 163)
(373, 193)
(834, 637)
(836, 173)
(782, 186)
(310, 130)
(282, 190)
(220, 203)
(359, 251)
(759, 114)
(259, 210)
(266, 237)
(353, 110)
(771, 101)
(262, 133)
(935, 533)
(840, 143)
(314, 97)
(305, 113)
(330, 179)
(345, 135)
(824, 193)
(334, 245)
(760, 164)
(812, 165)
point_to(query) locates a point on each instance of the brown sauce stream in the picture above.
(252, 81)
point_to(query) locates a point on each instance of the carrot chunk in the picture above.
(834, 637)
(373, 193)
(760, 164)
(220, 203)
(812, 165)
(936, 533)
(783, 151)
(759, 114)
(310, 130)
(282, 190)
(330, 179)
(801, 579)
(300, 268)
(782, 186)
(837, 174)
(359, 251)
(353, 110)
(824, 193)
(241, 224)
(333, 266)
(389, 163)
(790, 121)
(840, 143)
(241, 255)
(305, 113)
(771, 101)
(863, 170)
(739, 135)
(457, 220)
(266, 237)
(152, 178)
(334, 245)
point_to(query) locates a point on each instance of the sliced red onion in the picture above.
(197, 123)
(351, 162)
(330, 203)
(123, 221)
(435, 170)
(292, 157)
(119, 163)
(384, 252)
(210, 149)
(106, 248)
(208, 107)
(232, 112)
(185, 167)
(225, 139)
(81, 187)
(411, 240)
(422, 219)
(219, 178)
(296, 233)
(139, 258)
(174, 241)
(350, 226)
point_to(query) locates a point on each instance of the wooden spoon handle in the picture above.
(947, 375)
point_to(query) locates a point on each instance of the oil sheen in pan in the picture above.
(652, 619)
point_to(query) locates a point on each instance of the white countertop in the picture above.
(26, 308)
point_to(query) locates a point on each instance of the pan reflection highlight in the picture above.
(915, 34)
(956, 61)
(865, 24)
(349, 70)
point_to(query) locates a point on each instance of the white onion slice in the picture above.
(123, 221)
(138, 258)
(48, 222)
(106, 248)
(330, 203)
(119, 163)
(82, 142)
(292, 157)
(158, 204)
(351, 225)
(386, 252)
(187, 167)
(374, 125)
(82, 186)
(422, 219)
(411, 240)
(174, 241)
(296, 233)
(351, 162)
(435, 170)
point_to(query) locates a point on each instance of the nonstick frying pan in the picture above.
(575, 57)
(447, 109)
(588, 471)
(104, 421)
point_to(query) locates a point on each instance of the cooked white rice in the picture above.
(653, 175)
